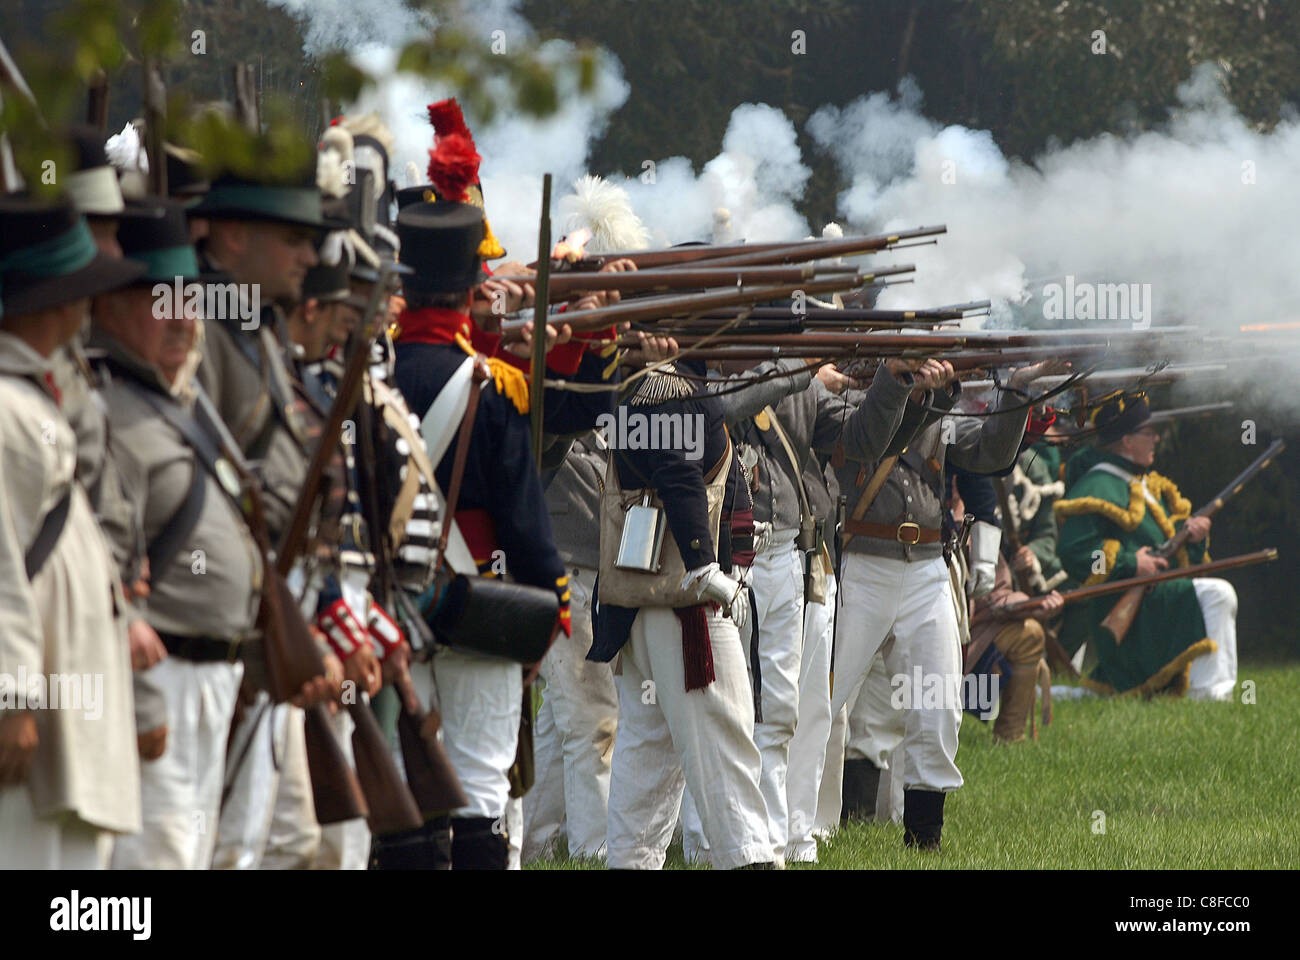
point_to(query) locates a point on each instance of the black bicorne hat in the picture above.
(1120, 413)
(440, 242)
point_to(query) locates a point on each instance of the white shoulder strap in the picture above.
(438, 428)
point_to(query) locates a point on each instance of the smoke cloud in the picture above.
(1202, 210)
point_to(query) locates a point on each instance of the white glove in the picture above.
(740, 606)
(984, 542)
(709, 583)
(762, 535)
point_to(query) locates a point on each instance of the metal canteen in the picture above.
(641, 546)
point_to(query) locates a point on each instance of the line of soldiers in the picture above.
(151, 490)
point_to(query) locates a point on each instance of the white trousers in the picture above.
(573, 739)
(811, 734)
(668, 738)
(29, 842)
(880, 595)
(830, 793)
(346, 845)
(777, 579)
(480, 700)
(1214, 677)
(268, 821)
(876, 730)
(180, 792)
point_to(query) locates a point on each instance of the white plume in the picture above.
(606, 210)
(125, 150)
(413, 178)
(334, 162)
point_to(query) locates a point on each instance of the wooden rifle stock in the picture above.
(336, 793)
(429, 773)
(1121, 616)
(392, 808)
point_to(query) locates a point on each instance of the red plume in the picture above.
(453, 167)
(447, 119)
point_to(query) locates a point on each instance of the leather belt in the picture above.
(908, 533)
(201, 649)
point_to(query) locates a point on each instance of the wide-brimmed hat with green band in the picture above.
(159, 238)
(48, 258)
(235, 198)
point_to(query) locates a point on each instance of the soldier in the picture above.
(500, 513)
(204, 567)
(262, 240)
(685, 707)
(1116, 509)
(784, 439)
(894, 578)
(69, 777)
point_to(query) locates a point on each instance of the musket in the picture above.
(930, 342)
(1143, 583)
(542, 290)
(11, 78)
(1120, 618)
(564, 286)
(653, 308)
(345, 401)
(155, 119)
(1123, 375)
(852, 316)
(790, 251)
(826, 249)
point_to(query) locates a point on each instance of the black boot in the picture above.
(426, 848)
(858, 796)
(922, 819)
(479, 843)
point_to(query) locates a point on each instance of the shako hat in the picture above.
(440, 242)
(48, 258)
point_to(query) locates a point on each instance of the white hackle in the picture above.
(606, 210)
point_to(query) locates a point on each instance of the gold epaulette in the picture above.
(510, 381)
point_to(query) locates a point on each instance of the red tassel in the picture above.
(447, 119)
(453, 167)
(697, 650)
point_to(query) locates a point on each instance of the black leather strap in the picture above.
(51, 529)
(163, 548)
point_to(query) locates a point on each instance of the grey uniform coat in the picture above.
(210, 587)
(69, 620)
(913, 491)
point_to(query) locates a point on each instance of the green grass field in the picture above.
(1181, 784)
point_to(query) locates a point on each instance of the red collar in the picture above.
(433, 325)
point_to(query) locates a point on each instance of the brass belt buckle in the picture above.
(908, 525)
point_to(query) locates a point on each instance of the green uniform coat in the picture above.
(1105, 518)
